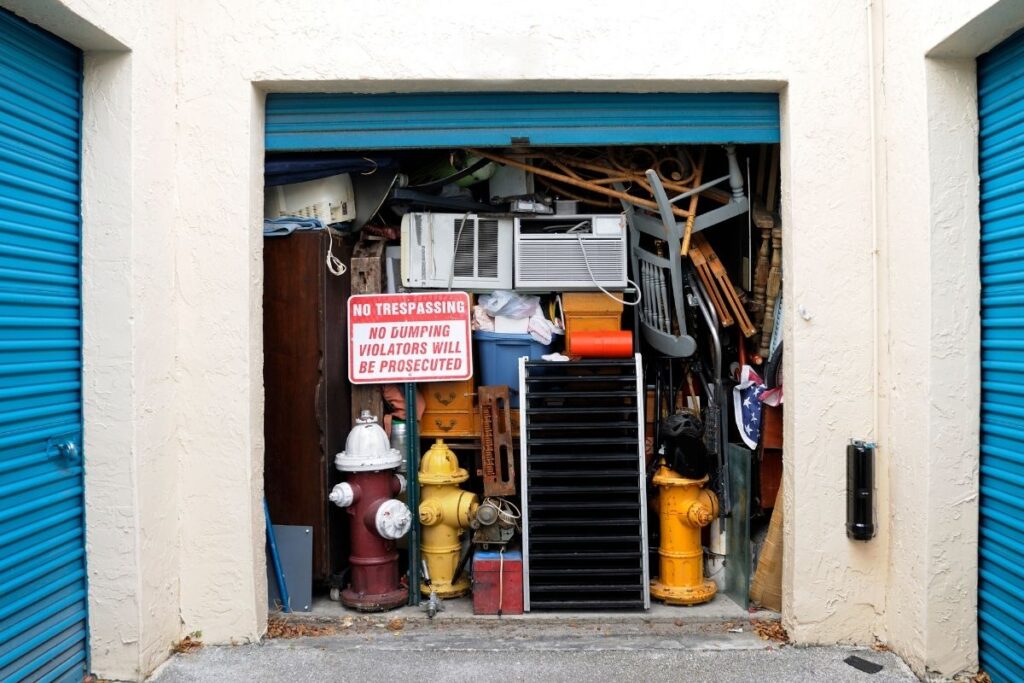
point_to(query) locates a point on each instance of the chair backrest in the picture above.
(660, 277)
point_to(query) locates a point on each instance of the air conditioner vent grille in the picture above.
(487, 247)
(465, 247)
(561, 260)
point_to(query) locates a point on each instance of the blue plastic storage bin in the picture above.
(499, 355)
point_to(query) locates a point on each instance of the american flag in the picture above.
(746, 398)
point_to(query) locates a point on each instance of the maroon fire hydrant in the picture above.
(377, 518)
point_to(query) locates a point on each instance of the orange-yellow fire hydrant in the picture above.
(445, 512)
(684, 507)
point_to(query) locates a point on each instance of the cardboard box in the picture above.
(505, 325)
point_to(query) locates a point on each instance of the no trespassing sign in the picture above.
(422, 337)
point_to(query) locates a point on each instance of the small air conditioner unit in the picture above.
(463, 251)
(554, 252)
(329, 199)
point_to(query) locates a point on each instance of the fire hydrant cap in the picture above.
(367, 448)
(699, 515)
(393, 519)
(342, 495)
(440, 466)
(430, 513)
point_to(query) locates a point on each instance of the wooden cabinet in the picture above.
(307, 397)
(771, 454)
(450, 410)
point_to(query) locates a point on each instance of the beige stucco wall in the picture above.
(879, 207)
(930, 341)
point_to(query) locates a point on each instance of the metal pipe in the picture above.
(275, 558)
(725, 489)
(412, 455)
(656, 421)
(711, 318)
(697, 190)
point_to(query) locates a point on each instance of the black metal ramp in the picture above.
(585, 517)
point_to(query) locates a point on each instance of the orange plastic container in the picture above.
(601, 344)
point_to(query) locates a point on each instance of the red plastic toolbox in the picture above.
(498, 583)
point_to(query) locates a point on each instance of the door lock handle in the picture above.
(68, 450)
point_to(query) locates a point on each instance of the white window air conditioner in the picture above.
(570, 252)
(329, 199)
(463, 251)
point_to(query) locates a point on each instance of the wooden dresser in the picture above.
(307, 416)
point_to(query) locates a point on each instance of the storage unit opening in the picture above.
(591, 337)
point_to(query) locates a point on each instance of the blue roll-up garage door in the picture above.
(1001, 566)
(42, 545)
(320, 121)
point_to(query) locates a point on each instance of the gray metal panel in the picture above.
(43, 624)
(295, 545)
(1001, 537)
(738, 562)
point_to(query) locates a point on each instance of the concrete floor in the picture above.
(575, 647)
(720, 609)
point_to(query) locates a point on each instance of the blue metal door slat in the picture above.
(320, 121)
(1001, 527)
(43, 624)
(55, 542)
(42, 504)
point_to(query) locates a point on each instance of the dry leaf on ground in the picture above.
(187, 644)
(283, 628)
(396, 624)
(771, 630)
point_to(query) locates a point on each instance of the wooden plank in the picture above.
(698, 174)
(724, 285)
(700, 264)
(367, 272)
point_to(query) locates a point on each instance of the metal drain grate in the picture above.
(583, 486)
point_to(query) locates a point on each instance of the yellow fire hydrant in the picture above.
(445, 512)
(684, 507)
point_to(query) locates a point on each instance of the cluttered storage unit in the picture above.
(592, 282)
